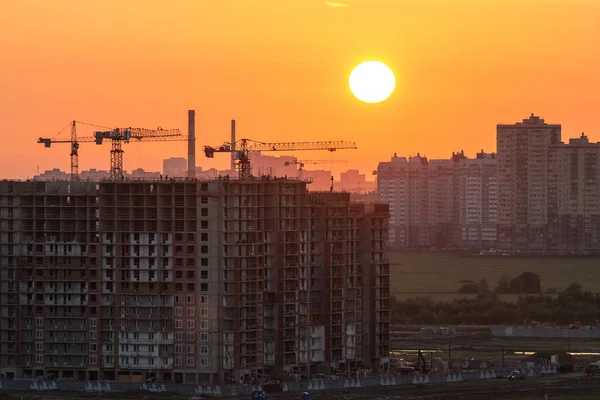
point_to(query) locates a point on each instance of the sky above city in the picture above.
(281, 68)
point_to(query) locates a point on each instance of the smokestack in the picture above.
(233, 153)
(191, 144)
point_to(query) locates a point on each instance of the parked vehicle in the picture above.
(516, 375)
(592, 370)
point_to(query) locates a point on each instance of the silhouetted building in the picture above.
(440, 203)
(523, 192)
(573, 196)
(353, 181)
(175, 167)
(477, 201)
(275, 166)
(320, 179)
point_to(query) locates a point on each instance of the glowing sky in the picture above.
(280, 67)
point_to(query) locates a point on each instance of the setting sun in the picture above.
(372, 82)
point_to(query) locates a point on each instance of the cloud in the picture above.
(335, 4)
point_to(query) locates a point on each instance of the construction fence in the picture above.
(541, 332)
(300, 386)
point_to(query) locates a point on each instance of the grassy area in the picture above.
(440, 275)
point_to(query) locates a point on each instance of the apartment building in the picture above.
(523, 163)
(477, 200)
(403, 184)
(573, 197)
(175, 167)
(189, 281)
(440, 203)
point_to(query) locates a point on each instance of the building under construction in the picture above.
(189, 281)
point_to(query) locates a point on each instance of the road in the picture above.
(499, 389)
(496, 389)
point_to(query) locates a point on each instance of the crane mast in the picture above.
(74, 153)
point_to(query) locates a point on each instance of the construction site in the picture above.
(237, 279)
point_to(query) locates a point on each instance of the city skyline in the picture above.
(538, 194)
(224, 163)
(283, 79)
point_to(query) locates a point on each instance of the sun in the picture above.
(372, 82)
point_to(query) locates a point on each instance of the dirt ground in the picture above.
(499, 389)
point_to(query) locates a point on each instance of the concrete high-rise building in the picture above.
(320, 180)
(477, 201)
(175, 167)
(440, 203)
(403, 184)
(441, 193)
(52, 175)
(189, 281)
(274, 166)
(523, 161)
(573, 197)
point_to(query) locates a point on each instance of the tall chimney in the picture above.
(233, 153)
(191, 144)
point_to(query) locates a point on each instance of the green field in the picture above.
(440, 275)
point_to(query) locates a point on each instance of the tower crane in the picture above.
(74, 145)
(117, 136)
(242, 147)
(302, 163)
(123, 135)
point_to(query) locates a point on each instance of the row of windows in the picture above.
(189, 274)
(190, 311)
(190, 298)
(190, 324)
(190, 361)
(39, 358)
(191, 349)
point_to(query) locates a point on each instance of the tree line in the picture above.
(571, 305)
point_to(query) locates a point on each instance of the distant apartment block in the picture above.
(402, 183)
(320, 180)
(523, 192)
(573, 197)
(175, 167)
(274, 166)
(52, 175)
(353, 181)
(477, 200)
(440, 203)
(208, 281)
(93, 175)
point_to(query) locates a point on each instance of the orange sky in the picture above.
(280, 67)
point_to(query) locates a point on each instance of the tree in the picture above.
(529, 283)
(526, 283)
(503, 285)
(469, 288)
(484, 286)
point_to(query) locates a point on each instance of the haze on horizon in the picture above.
(281, 68)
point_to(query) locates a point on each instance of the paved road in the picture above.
(489, 389)
(493, 389)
